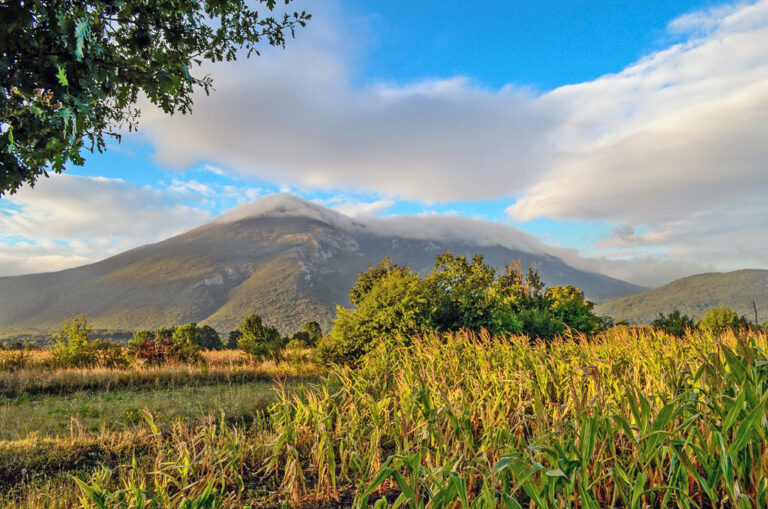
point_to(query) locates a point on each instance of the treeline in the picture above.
(717, 320)
(182, 343)
(393, 301)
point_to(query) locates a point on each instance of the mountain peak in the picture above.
(437, 227)
(285, 205)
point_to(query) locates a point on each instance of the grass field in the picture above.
(628, 419)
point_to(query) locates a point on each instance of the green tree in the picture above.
(313, 332)
(567, 303)
(234, 339)
(675, 323)
(718, 320)
(210, 339)
(73, 344)
(460, 293)
(186, 335)
(259, 340)
(391, 302)
(71, 71)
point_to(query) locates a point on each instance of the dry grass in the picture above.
(629, 419)
(219, 367)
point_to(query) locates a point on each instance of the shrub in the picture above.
(72, 345)
(190, 334)
(159, 347)
(674, 323)
(718, 320)
(259, 340)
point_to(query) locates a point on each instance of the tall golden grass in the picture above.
(627, 419)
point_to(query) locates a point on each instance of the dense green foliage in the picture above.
(393, 302)
(72, 71)
(190, 334)
(718, 320)
(675, 323)
(259, 340)
(75, 349)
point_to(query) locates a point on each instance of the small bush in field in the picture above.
(295, 352)
(14, 359)
(260, 340)
(675, 323)
(159, 347)
(719, 320)
(72, 346)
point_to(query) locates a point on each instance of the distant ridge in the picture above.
(285, 258)
(694, 295)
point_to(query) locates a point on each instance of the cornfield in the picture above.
(627, 419)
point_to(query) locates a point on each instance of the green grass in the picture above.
(53, 415)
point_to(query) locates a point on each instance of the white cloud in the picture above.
(659, 145)
(67, 220)
(672, 148)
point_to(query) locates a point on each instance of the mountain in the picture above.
(280, 256)
(695, 295)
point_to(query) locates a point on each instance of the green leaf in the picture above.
(62, 76)
(81, 33)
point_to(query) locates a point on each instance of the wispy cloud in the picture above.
(67, 220)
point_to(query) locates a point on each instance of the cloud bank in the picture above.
(670, 150)
(675, 143)
(67, 221)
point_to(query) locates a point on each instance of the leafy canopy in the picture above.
(675, 323)
(71, 71)
(718, 320)
(394, 302)
(259, 339)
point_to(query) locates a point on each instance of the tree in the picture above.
(71, 71)
(234, 338)
(258, 339)
(394, 302)
(568, 304)
(313, 333)
(190, 334)
(391, 303)
(210, 339)
(718, 320)
(675, 323)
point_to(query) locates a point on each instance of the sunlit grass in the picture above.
(630, 419)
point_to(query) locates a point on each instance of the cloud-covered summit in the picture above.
(438, 227)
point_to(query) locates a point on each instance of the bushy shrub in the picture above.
(158, 347)
(14, 359)
(75, 349)
(72, 345)
(718, 320)
(260, 340)
(675, 323)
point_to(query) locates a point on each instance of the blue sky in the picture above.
(584, 123)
